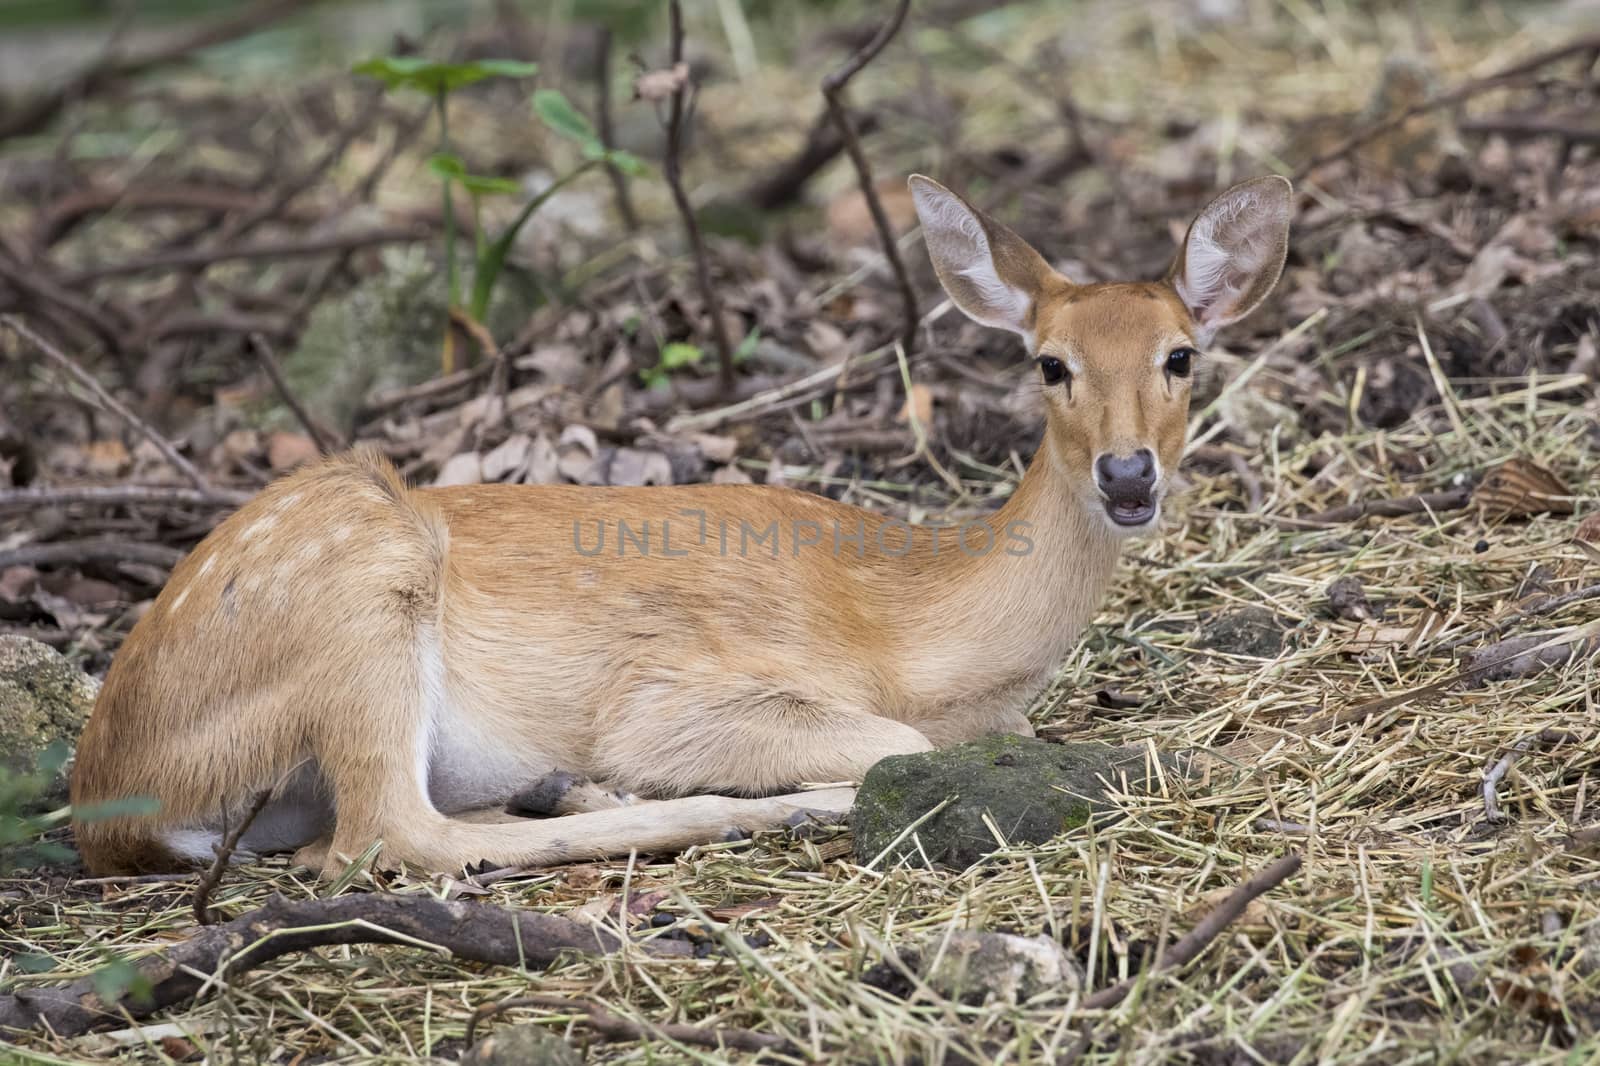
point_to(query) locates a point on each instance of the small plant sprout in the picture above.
(438, 80)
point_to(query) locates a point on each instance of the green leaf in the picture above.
(677, 354)
(558, 113)
(432, 77)
(627, 162)
(447, 166)
(747, 347)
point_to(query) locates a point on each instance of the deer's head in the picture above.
(1115, 361)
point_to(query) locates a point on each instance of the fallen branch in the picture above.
(56, 553)
(1539, 607)
(1455, 96)
(1189, 946)
(14, 500)
(110, 402)
(672, 170)
(218, 953)
(611, 1026)
(274, 249)
(833, 87)
(1450, 500)
(32, 115)
(782, 186)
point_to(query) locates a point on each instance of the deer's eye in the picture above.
(1053, 370)
(1180, 361)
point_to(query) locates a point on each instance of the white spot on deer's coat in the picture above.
(259, 526)
(178, 602)
(211, 560)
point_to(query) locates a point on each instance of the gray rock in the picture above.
(44, 700)
(1252, 631)
(522, 1045)
(977, 967)
(1030, 789)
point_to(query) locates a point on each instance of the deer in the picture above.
(525, 675)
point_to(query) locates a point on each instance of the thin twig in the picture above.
(203, 914)
(13, 500)
(602, 114)
(672, 170)
(1454, 96)
(1192, 943)
(85, 551)
(1502, 766)
(271, 249)
(1450, 500)
(30, 116)
(833, 87)
(269, 362)
(87, 380)
(1544, 606)
(614, 1027)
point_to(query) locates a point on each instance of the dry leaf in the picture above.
(285, 451)
(1588, 530)
(655, 85)
(1521, 488)
(632, 466)
(730, 475)
(508, 458)
(464, 468)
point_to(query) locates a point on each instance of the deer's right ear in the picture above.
(992, 274)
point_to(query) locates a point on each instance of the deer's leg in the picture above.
(744, 738)
(565, 792)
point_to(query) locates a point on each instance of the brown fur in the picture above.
(392, 659)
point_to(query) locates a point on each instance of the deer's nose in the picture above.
(1126, 477)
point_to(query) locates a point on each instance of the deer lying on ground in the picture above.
(391, 660)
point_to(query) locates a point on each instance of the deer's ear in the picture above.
(1233, 253)
(993, 275)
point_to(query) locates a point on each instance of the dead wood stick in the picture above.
(14, 500)
(1192, 943)
(612, 1026)
(602, 115)
(203, 914)
(31, 115)
(273, 249)
(95, 550)
(1454, 96)
(672, 170)
(1517, 127)
(269, 362)
(111, 403)
(1539, 607)
(833, 87)
(476, 932)
(1450, 500)
(1502, 766)
(33, 280)
(783, 185)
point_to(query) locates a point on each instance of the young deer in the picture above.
(395, 663)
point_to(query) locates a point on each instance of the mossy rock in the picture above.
(1252, 631)
(1030, 789)
(522, 1045)
(44, 701)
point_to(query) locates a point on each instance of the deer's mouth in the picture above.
(1131, 512)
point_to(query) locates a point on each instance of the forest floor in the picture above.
(1392, 468)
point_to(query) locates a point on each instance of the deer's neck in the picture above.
(992, 626)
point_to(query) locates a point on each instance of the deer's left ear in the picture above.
(1233, 253)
